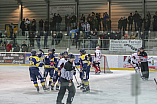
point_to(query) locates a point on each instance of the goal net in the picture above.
(104, 65)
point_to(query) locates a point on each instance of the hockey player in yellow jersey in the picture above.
(35, 74)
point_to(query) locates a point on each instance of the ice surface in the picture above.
(16, 88)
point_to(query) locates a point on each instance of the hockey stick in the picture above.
(155, 81)
(78, 85)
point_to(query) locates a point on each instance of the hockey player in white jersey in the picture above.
(97, 60)
(134, 60)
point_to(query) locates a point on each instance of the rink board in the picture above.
(115, 62)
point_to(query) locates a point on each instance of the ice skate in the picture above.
(37, 88)
(45, 88)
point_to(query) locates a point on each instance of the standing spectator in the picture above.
(130, 22)
(142, 37)
(46, 25)
(94, 40)
(95, 24)
(155, 22)
(124, 24)
(14, 40)
(108, 24)
(45, 39)
(11, 30)
(33, 32)
(38, 40)
(29, 48)
(87, 30)
(99, 21)
(22, 26)
(146, 27)
(73, 33)
(149, 16)
(41, 22)
(27, 27)
(73, 21)
(24, 47)
(105, 17)
(120, 23)
(8, 47)
(52, 25)
(77, 37)
(66, 17)
(140, 24)
(136, 18)
(55, 20)
(68, 21)
(58, 22)
(82, 18)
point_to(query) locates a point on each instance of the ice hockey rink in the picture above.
(115, 88)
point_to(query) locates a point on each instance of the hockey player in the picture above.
(50, 65)
(56, 77)
(144, 64)
(34, 70)
(67, 81)
(84, 72)
(134, 60)
(97, 60)
(89, 59)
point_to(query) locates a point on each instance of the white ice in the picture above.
(16, 88)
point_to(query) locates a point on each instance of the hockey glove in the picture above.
(74, 72)
(39, 55)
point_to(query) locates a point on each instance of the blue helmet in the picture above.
(82, 51)
(71, 56)
(65, 53)
(61, 54)
(33, 53)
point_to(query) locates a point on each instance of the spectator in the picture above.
(130, 22)
(87, 29)
(59, 37)
(66, 17)
(58, 22)
(2, 44)
(108, 24)
(22, 26)
(32, 34)
(105, 17)
(52, 25)
(95, 24)
(55, 20)
(73, 21)
(77, 37)
(136, 18)
(146, 27)
(16, 48)
(142, 37)
(94, 40)
(8, 47)
(11, 30)
(73, 34)
(132, 36)
(27, 27)
(68, 21)
(82, 20)
(46, 25)
(120, 23)
(124, 25)
(99, 21)
(140, 24)
(24, 47)
(41, 22)
(38, 40)
(45, 39)
(155, 22)
(149, 16)
(14, 40)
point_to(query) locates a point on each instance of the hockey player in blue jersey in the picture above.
(35, 63)
(50, 65)
(56, 78)
(85, 62)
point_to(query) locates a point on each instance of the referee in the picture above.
(66, 81)
(144, 64)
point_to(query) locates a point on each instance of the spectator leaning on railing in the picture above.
(24, 47)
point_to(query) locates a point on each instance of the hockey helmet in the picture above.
(33, 53)
(71, 56)
(65, 53)
(82, 51)
(61, 54)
